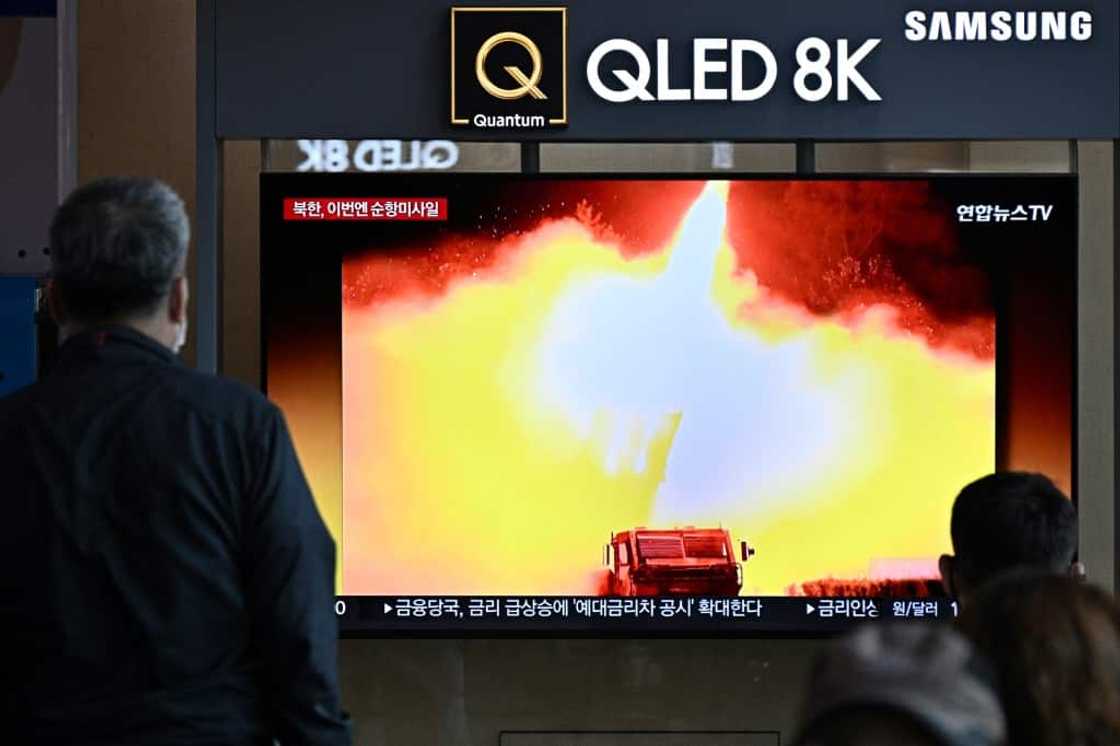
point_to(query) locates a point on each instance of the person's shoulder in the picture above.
(219, 398)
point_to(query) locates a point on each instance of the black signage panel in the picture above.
(509, 67)
(660, 70)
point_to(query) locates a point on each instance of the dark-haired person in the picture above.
(165, 576)
(1055, 645)
(1006, 521)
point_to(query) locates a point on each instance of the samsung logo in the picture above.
(999, 25)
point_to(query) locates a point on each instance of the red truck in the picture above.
(674, 562)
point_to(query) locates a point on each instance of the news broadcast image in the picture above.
(650, 388)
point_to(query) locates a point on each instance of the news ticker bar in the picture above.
(604, 614)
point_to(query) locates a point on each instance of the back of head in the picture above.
(904, 684)
(116, 246)
(1009, 520)
(1055, 643)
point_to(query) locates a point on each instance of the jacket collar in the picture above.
(113, 344)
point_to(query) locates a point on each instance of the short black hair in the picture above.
(1012, 520)
(116, 246)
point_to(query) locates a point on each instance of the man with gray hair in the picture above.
(165, 576)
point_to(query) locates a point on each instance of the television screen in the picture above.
(638, 405)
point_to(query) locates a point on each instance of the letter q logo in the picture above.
(509, 65)
(527, 83)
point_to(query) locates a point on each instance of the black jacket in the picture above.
(165, 577)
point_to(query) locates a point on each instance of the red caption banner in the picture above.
(365, 208)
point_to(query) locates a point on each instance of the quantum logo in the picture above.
(528, 82)
(509, 67)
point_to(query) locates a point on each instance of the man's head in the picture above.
(118, 256)
(1006, 521)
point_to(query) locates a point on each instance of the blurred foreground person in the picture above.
(1005, 521)
(165, 577)
(1055, 644)
(901, 684)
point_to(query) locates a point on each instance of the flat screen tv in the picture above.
(637, 405)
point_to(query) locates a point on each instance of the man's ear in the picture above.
(54, 304)
(946, 565)
(177, 300)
